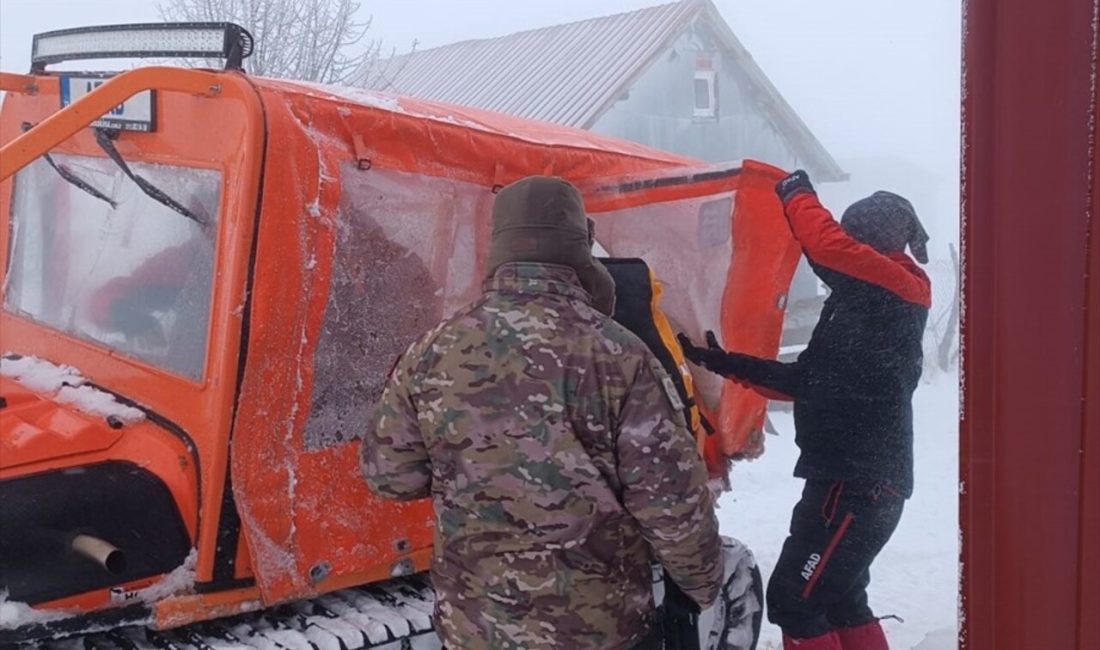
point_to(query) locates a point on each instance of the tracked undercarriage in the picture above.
(395, 615)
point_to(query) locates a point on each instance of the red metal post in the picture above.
(1088, 632)
(1030, 426)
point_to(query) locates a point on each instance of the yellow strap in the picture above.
(668, 337)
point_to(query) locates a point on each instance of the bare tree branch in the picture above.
(311, 40)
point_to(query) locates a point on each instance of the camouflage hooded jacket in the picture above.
(558, 468)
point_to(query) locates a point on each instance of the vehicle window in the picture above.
(405, 256)
(134, 276)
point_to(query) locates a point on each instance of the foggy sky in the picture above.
(877, 81)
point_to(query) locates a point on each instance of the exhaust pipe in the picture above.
(101, 552)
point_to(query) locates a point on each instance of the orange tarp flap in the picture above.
(719, 242)
(765, 257)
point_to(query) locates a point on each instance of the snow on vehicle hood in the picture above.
(65, 385)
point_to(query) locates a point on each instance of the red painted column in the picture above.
(1030, 431)
(1089, 569)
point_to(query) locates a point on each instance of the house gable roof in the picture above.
(571, 74)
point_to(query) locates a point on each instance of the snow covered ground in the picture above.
(916, 575)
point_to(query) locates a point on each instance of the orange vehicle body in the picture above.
(272, 513)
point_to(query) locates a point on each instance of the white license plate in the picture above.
(135, 114)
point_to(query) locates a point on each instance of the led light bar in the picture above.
(144, 40)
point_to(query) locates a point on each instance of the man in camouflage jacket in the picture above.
(547, 436)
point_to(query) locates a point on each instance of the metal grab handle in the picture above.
(65, 123)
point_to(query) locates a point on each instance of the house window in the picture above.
(706, 95)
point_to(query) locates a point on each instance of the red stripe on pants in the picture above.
(829, 550)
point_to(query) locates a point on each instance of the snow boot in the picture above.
(868, 636)
(827, 641)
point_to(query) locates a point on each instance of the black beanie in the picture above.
(888, 223)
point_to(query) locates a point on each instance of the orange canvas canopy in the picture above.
(350, 223)
(646, 203)
(395, 198)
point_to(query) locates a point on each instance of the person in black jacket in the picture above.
(852, 389)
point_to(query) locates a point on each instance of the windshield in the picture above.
(135, 277)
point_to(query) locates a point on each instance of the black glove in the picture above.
(793, 185)
(712, 357)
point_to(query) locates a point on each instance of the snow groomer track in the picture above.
(393, 616)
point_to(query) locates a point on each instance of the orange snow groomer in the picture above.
(206, 277)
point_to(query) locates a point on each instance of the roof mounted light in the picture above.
(143, 40)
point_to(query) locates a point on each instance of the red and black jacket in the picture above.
(853, 385)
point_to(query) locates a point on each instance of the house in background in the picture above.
(674, 77)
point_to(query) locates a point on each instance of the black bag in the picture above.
(679, 616)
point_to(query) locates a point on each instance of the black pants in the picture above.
(820, 581)
(652, 641)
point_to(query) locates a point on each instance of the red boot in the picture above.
(868, 636)
(827, 641)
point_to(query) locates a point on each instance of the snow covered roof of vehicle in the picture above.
(499, 126)
(571, 74)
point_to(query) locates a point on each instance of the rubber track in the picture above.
(393, 616)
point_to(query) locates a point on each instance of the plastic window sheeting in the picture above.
(689, 246)
(135, 277)
(406, 256)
